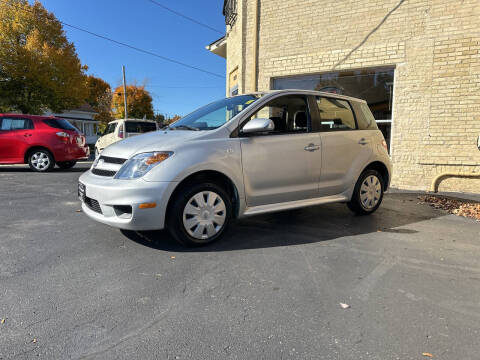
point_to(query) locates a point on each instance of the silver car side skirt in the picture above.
(261, 209)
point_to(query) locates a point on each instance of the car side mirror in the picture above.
(258, 125)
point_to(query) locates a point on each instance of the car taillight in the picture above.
(384, 144)
(63, 136)
(120, 134)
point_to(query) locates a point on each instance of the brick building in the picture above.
(416, 62)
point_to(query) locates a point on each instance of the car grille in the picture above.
(93, 204)
(108, 166)
(101, 172)
(112, 160)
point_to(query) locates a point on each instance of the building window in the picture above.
(230, 11)
(233, 82)
(375, 86)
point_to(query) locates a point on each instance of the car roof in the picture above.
(303, 92)
(33, 117)
(131, 119)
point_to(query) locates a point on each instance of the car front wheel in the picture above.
(41, 160)
(199, 214)
(368, 193)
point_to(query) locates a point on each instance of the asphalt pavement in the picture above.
(74, 289)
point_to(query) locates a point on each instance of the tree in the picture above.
(139, 102)
(39, 67)
(100, 98)
(172, 119)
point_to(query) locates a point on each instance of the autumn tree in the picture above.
(172, 119)
(99, 97)
(139, 102)
(39, 67)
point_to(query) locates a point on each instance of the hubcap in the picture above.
(370, 192)
(204, 215)
(40, 160)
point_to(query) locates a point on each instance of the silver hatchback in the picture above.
(241, 156)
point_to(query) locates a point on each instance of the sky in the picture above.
(175, 89)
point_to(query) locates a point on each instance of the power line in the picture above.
(125, 44)
(185, 16)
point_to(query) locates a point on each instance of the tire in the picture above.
(41, 160)
(192, 220)
(368, 193)
(66, 164)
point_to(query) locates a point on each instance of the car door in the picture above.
(15, 137)
(109, 136)
(345, 149)
(284, 164)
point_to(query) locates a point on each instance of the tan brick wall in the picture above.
(433, 44)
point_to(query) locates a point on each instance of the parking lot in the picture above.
(71, 288)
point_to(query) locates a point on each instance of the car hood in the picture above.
(162, 140)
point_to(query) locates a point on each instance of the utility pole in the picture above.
(125, 93)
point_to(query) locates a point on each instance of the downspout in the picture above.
(438, 178)
(255, 46)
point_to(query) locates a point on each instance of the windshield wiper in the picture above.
(185, 127)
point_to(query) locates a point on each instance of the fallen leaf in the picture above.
(427, 354)
(2, 321)
(344, 306)
(79, 210)
(172, 257)
(34, 341)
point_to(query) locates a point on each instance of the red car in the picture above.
(40, 142)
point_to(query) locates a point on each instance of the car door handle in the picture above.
(26, 135)
(363, 141)
(312, 147)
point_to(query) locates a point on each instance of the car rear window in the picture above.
(139, 127)
(60, 124)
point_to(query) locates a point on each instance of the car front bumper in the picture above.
(105, 199)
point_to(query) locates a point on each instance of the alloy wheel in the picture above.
(40, 161)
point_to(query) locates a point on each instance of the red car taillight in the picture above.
(120, 134)
(63, 136)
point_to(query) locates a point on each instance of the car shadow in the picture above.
(303, 226)
(26, 169)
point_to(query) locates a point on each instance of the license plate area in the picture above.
(82, 191)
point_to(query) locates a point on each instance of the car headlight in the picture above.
(140, 164)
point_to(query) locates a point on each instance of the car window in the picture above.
(290, 114)
(365, 118)
(334, 115)
(110, 128)
(60, 124)
(8, 124)
(139, 127)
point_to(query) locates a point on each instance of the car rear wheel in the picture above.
(199, 214)
(41, 160)
(368, 193)
(66, 164)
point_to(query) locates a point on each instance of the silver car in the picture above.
(241, 156)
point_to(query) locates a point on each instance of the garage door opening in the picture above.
(374, 85)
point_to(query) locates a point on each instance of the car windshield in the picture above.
(214, 115)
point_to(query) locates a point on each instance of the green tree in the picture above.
(100, 98)
(139, 103)
(39, 67)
